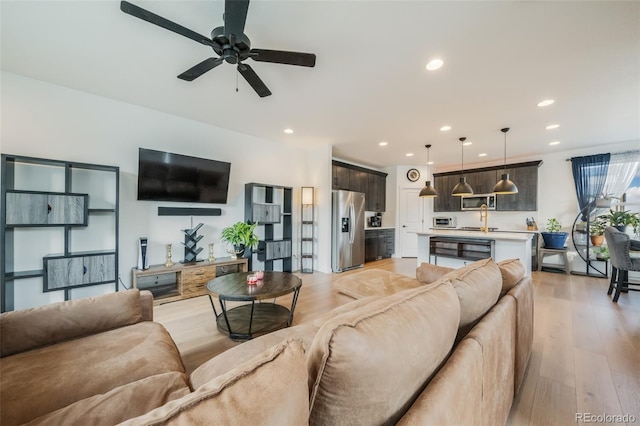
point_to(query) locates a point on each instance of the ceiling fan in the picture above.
(229, 42)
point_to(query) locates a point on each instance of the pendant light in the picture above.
(505, 185)
(462, 188)
(428, 190)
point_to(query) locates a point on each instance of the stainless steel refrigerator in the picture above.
(347, 232)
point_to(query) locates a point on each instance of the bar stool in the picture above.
(542, 251)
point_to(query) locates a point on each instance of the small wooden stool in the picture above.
(543, 250)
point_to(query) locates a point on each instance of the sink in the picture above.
(475, 228)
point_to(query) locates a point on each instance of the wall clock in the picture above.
(413, 175)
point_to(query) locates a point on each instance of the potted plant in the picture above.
(240, 235)
(554, 238)
(596, 231)
(602, 253)
(620, 219)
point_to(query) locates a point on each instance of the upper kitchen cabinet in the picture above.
(525, 177)
(359, 179)
(445, 202)
(482, 181)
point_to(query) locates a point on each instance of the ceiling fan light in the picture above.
(428, 190)
(505, 186)
(462, 188)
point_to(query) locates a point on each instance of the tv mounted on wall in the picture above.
(163, 176)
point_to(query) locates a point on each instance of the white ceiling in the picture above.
(370, 82)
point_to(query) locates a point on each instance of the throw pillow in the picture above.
(512, 271)
(428, 273)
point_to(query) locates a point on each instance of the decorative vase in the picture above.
(597, 240)
(554, 240)
(169, 262)
(211, 256)
(237, 250)
(621, 228)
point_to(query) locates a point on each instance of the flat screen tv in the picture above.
(163, 176)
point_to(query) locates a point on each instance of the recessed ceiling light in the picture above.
(554, 143)
(383, 143)
(467, 143)
(484, 154)
(434, 64)
(429, 162)
(409, 154)
(545, 103)
(288, 131)
(445, 128)
(552, 126)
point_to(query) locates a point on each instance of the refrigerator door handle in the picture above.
(352, 219)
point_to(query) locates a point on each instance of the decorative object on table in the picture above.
(413, 175)
(211, 256)
(169, 262)
(240, 235)
(505, 185)
(462, 188)
(428, 190)
(259, 274)
(596, 231)
(620, 219)
(191, 239)
(531, 224)
(252, 279)
(554, 238)
(602, 253)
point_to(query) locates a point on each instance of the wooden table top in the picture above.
(234, 286)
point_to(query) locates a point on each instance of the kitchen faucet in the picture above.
(484, 214)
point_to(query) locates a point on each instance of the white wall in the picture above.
(48, 121)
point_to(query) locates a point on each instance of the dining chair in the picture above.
(622, 262)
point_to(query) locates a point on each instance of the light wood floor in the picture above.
(586, 349)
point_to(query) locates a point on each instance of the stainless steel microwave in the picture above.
(474, 202)
(444, 222)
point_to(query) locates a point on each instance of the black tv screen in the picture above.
(163, 176)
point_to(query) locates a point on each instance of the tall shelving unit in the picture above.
(64, 207)
(306, 229)
(271, 206)
(582, 243)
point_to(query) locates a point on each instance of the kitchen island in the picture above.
(455, 248)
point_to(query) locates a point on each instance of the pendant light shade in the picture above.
(505, 185)
(428, 190)
(462, 188)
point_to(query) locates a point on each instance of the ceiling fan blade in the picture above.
(235, 16)
(282, 57)
(204, 66)
(254, 81)
(145, 15)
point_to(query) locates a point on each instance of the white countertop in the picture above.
(494, 235)
(373, 228)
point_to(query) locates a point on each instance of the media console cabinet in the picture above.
(184, 280)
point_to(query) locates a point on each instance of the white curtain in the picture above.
(623, 168)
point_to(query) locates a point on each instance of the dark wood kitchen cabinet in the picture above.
(482, 181)
(378, 244)
(526, 179)
(354, 178)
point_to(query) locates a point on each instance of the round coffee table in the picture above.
(253, 319)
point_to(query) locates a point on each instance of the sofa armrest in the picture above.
(523, 294)
(146, 305)
(28, 329)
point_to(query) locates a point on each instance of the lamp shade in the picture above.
(428, 190)
(462, 188)
(505, 186)
(307, 195)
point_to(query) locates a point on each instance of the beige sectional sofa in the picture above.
(449, 349)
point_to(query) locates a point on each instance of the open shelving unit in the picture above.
(580, 237)
(271, 206)
(53, 205)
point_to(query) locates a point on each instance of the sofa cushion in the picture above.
(427, 272)
(230, 358)
(347, 307)
(368, 365)
(32, 328)
(373, 282)
(58, 375)
(269, 389)
(512, 271)
(478, 287)
(121, 403)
